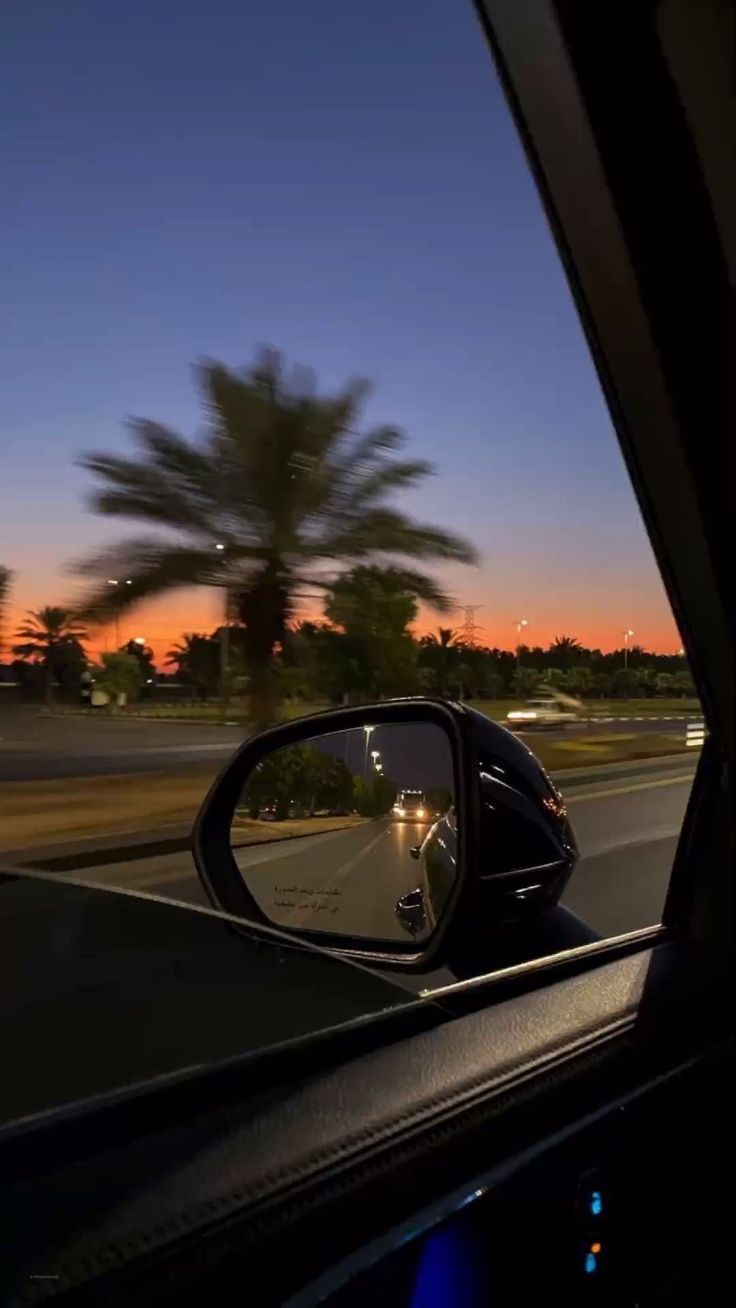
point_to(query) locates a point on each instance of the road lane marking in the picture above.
(277, 849)
(295, 917)
(629, 790)
(654, 836)
(353, 862)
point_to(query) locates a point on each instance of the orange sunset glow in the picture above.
(162, 622)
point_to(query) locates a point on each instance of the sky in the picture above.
(185, 179)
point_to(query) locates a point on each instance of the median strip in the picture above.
(75, 823)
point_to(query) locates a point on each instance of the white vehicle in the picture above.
(542, 713)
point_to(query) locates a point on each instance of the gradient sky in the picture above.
(184, 179)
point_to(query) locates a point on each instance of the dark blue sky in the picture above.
(184, 179)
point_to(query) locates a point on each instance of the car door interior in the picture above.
(563, 1128)
(353, 1154)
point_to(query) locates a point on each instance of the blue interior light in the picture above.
(591, 1263)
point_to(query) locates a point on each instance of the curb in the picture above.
(72, 860)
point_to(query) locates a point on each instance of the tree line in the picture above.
(283, 494)
(372, 654)
(302, 781)
(363, 649)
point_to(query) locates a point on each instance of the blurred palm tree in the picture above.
(48, 635)
(278, 488)
(197, 657)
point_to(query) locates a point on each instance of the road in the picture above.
(626, 828)
(344, 881)
(33, 747)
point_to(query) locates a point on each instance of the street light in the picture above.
(224, 640)
(115, 581)
(627, 634)
(367, 731)
(521, 624)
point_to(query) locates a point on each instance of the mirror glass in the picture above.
(352, 833)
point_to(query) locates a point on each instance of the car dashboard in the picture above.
(601, 1214)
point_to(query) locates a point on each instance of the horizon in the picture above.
(103, 640)
(168, 206)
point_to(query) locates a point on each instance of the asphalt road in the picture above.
(344, 881)
(627, 831)
(33, 747)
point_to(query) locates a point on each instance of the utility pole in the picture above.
(469, 629)
(468, 635)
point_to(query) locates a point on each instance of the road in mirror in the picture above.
(352, 833)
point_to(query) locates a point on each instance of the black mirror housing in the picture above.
(506, 835)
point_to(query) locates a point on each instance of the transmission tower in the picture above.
(469, 629)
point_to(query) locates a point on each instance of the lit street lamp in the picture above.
(521, 624)
(627, 634)
(224, 639)
(115, 581)
(368, 731)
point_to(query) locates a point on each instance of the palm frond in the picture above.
(154, 567)
(389, 532)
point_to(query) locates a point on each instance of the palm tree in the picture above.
(44, 637)
(445, 636)
(563, 649)
(197, 657)
(278, 490)
(443, 652)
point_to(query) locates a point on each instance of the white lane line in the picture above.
(296, 916)
(665, 831)
(629, 790)
(353, 862)
(284, 848)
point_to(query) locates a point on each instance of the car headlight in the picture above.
(420, 812)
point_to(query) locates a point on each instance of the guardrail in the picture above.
(695, 734)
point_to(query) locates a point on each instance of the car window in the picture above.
(286, 332)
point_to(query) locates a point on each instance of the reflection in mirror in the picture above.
(352, 833)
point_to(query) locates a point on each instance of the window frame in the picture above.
(607, 207)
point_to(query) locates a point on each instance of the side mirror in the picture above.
(328, 828)
(411, 910)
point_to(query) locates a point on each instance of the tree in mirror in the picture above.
(352, 833)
